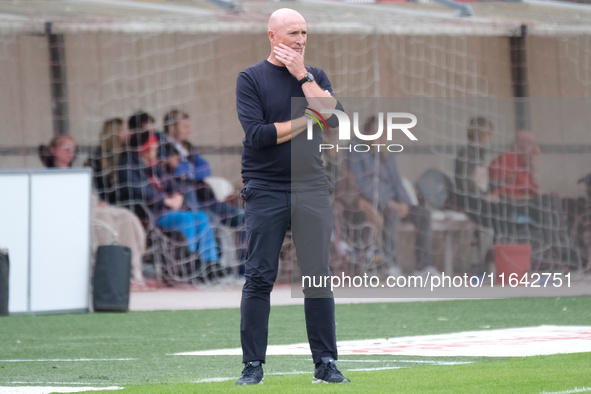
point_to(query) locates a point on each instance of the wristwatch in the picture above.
(307, 78)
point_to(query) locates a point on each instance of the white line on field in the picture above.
(67, 359)
(288, 373)
(408, 361)
(214, 380)
(575, 390)
(61, 383)
(373, 369)
(372, 361)
(52, 389)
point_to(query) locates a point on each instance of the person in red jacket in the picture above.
(513, 177)
(513, 173)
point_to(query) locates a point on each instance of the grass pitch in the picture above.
(133, 350)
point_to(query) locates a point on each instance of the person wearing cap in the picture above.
(143, 178)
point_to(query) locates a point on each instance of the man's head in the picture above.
(141, 121)
(525, 143)
(479, 130)
(288, 27)
(177, 125)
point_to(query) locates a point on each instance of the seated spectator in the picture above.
(104, 158)
(130, 231)
(142, 178)
(471, 180)
(514, 178)
(513, 174)
(579, 220)
(471, 172)
(190, 170)
(60, 152)
(377, 177)
(356, 221)
(141, 121)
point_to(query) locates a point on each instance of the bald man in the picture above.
(279, 196)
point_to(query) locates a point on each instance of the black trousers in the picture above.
(268, 216)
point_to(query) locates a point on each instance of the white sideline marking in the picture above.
(56, 383)
(575, 390)
(511, 342)
(67, 359)
(407, 361)
(49, 389)
(374, 369)
(213, 380)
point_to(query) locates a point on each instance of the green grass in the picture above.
(520, 375)
(150, 337)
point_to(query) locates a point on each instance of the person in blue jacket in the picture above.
(144, 181)
(190, 170)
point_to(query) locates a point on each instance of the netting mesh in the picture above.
(115, 73)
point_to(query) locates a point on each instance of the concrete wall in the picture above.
(25, 106)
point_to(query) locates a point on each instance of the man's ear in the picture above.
(271, 35)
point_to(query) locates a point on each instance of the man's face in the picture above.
(290, 31)
(183, 129)
(528, 144)
(483, 138)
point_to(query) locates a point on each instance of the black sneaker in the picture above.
(327, 372)
(251, 374)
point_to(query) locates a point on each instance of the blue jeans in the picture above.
(224, 213)
(195, 226)
(230, 216)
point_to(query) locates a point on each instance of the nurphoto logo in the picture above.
(393, 123)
